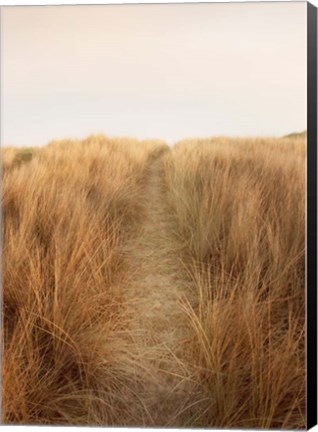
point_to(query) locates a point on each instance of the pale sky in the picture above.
(153, 71)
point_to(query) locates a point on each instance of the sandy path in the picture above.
(159, 330)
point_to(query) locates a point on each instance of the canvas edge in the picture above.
(311, 292)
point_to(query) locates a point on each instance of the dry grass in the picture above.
(239, 209)
(67, 213)
(12, 157)
(73, 212)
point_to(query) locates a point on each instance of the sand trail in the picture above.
(159, 331)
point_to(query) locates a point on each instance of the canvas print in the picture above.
(154, 215)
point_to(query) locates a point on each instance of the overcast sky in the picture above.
(153, 71)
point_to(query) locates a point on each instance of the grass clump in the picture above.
(67, 215)
(239, 211)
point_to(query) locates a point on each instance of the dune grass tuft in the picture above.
(239, 210)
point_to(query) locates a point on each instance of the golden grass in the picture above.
(239, 209)
(66, 215)
(72, 213)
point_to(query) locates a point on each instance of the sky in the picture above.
(153, 71)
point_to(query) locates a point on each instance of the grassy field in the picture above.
(150, 286)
